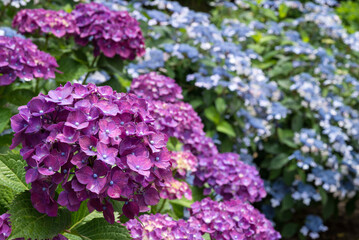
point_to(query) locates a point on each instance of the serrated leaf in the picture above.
(226, 127)
(5, 115)
(27, 222)
(6, 197)
(182, 202)
(83, 216)
(12, 172)
(99, 229)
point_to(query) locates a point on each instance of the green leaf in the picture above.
(212, 114)
(289, 229)
(286, 137)
(99, 229)
(220, 105)
(206, 236)
(329, 208)
(27, 222)
(20, 97)
(6, 197)
(182, 202)
(226, 127)
(283, 10)
(5, 115)
(83, 215)
(297, 122)
(70, 68)
(12, 172)
(174, 144)
(279, 161)
(288, 202)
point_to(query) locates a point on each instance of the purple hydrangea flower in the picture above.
(160, 226)
(156, 87)
(184, 162)
(20, 58)
(181, 121)
(230, 177)
(96, 143)
(232, 219)
(59, 23)
(5, 228)
(111, 32)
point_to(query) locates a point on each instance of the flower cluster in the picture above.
(98, 144)
(160, 226)
(5, 228)
(111, 32)
(230, 177)
(59, 23)
(181, 121)
(313, 226)
(175, 189)
(21, 58)
(232, 219)
(156, 87)
(184, 162)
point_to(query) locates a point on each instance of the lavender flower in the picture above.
(20, 58)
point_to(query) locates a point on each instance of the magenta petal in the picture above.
(84, 175)
(31, 175)
(97, 185)
(151, 196)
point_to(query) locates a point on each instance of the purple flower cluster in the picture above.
(160, 226)
(112, 32)
(153, 86)
(232, 219)
(98, 144)
(5, 228)
(59, 23)
(181, 121)
(20, 58)
(175, 189)
(184, 162)
(230, 177)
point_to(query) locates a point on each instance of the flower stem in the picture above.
(162, 206)
(91, 66)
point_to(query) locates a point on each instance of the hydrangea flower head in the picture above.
(96, 143)
(5, 228)
(160, 226)
(232, 219)
(184, 162)
(156, 87)
(111, 32)
(230, 177)
(20, 58)
(59, 23)
(181, 121)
